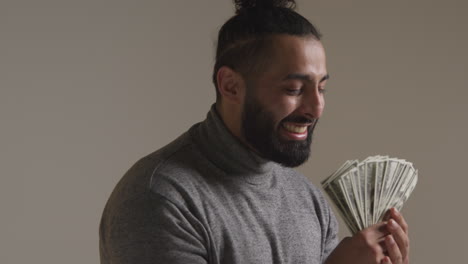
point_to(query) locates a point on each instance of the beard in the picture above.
(260, 131)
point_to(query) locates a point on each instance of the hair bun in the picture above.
(247, 4)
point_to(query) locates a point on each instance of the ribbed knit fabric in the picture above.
(206, 198)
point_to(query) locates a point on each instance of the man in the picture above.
(224, 191)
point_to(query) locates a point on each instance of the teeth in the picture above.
(295, 129)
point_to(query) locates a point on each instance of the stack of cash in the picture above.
(364, 191)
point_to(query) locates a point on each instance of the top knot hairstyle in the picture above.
(244, 41)
(246, 4)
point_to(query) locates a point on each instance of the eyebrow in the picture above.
(304, 77)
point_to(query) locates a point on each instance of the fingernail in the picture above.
(395, 211)
(390, 240)
(392, 223)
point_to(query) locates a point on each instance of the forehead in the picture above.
(297, 54)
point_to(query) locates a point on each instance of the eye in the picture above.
(322, 90)
(296, 91)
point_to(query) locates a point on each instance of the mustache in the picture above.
(300, 120)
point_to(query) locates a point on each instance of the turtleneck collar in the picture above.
(226, 151)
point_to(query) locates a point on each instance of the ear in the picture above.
(230, 85)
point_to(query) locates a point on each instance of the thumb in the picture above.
(387, 215)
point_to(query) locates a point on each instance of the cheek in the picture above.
(290, 104)
(285, 107)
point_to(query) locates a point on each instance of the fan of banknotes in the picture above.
(364, 191)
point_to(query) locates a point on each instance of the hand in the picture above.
(382, 243)
(397, 242)
(365, 247)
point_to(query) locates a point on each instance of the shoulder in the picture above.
(156, 169)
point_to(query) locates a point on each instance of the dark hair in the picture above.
(244, 40)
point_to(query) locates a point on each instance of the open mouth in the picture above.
(294, 131)
(299, 129)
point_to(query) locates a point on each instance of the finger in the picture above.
(393, 250)
(375, 232)
(400, 237)
(383, 246)
(399, 219)
(386, 260)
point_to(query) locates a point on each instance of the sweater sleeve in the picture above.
(151, 229)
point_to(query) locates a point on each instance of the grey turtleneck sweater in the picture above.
(206, 198)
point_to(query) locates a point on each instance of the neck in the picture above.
(231, 117)
(226, 151)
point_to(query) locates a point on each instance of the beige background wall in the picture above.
(89, 87)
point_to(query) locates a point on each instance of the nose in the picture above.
(313, 103)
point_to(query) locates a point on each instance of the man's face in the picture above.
(283, 104)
